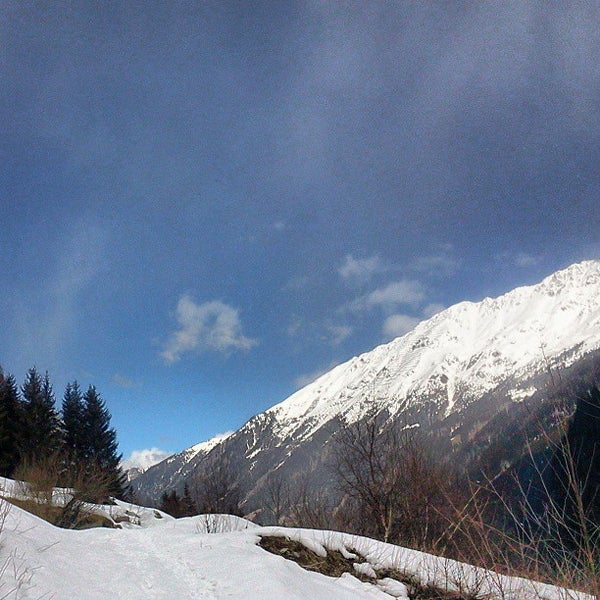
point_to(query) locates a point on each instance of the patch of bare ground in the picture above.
(335, 565)
(54, 514)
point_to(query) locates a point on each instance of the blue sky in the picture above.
(204, 204)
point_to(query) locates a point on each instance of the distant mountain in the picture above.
(133, 473)
(170, 473)
(452, 376)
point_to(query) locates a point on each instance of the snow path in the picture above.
(170, 560)
(160, 557)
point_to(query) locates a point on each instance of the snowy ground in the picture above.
(213, 558)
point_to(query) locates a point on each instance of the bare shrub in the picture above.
(545, 527)
(90, 484)
(4, 510)
(13, 567)
(399, 493)
(216, 489)
(71, 509)
(220, 523)
(310, 506)
(38, 477)
(277, 497)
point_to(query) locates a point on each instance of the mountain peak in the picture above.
(433, 375)
(462, 351)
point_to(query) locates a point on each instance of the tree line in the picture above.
(78, 441)
(215, 490)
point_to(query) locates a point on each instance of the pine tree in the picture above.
(188, 506)
(10, 424)
(168, 502)
(173, 504)
(100, 447)
(41, 431)
(73, 421)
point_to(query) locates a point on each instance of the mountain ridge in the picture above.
(428, 377)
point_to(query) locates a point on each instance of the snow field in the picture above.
(158, 557)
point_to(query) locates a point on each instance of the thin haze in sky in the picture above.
(205, 205)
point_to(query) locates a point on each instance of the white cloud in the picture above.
(212, 326)
(361, 270)
(143, 459)
(399, 324)
(404, 292)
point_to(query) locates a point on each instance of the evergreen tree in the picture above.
(188, 506)
(178, 506)
(41, 431)
(10, 424)
(170, 503)
(100, 447)
(73, 421)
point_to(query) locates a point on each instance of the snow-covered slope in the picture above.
(434, 374)
(458, 354)
(162, 558)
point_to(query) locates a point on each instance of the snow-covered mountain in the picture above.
(456, 369)
(171, 472)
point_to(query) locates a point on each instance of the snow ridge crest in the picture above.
(470, 346)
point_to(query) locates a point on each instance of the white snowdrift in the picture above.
(212, 557)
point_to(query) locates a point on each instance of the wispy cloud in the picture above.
(47, 316)
(296, 284)
(294, 329)
(361, 270)
(211, 326)
(124, 382)
(522, 259)
(338, 333)
(441, 264)
(399, 324)
(326, 332)
(407, 292)
(143, 459)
